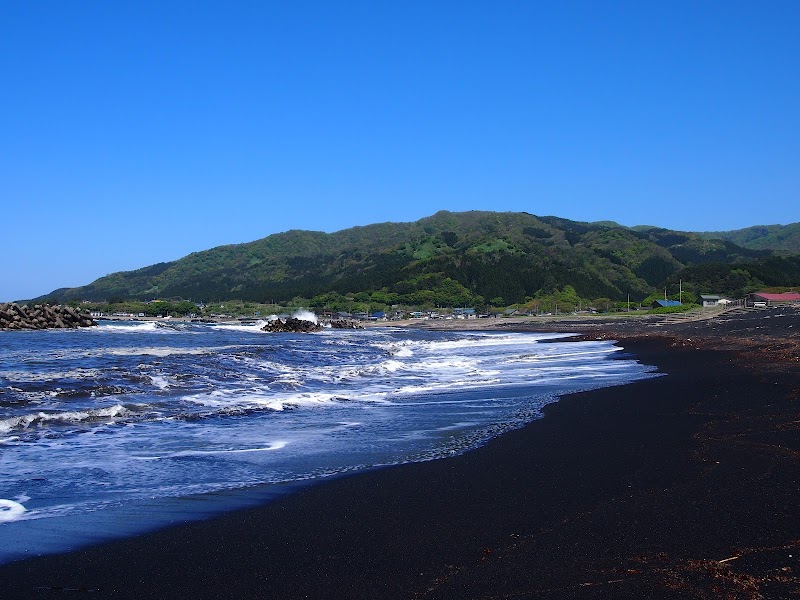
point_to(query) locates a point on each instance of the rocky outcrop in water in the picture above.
(42, 316)
(346, 324)
(291, 325)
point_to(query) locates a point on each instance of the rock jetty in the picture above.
(346, 324)
(42, 316)
(291, 325)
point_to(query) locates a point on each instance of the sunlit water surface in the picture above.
(110, 431)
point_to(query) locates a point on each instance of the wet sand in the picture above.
(681, 486)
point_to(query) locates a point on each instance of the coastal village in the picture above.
(756, 300)
(14, 316)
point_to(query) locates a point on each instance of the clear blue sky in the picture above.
(138, 132)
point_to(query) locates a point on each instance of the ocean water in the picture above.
(114, 430)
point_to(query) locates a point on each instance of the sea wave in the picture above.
(279, 445)
(128, 327)
(10, 510)
(254, 327)
(132, 413)
(78, 373)
(62, 417)
(161, 351)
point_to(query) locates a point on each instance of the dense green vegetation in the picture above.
(454, 259)
(183, 308)
(781, 239)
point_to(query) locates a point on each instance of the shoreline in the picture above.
(682, 486)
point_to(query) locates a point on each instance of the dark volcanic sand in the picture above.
(682, 486)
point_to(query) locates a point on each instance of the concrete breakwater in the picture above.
(346, 324)
(42, 316)
(293, 325)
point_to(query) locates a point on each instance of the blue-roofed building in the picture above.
(665, 303)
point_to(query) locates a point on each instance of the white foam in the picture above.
(290, 379)
(11, 511)
(29, 376)
(227, 402)
(305, 315)
(402, 352)
(350, 373)
(251, 328)
(562, 356)
(472, 342)
(160, 382)
(447, 385)
(155, 351)
(134, 327)
(24, 421)
(274, 446)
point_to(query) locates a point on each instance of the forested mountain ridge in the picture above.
(781, 239)
(448, 258)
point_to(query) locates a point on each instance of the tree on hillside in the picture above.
(602, 304)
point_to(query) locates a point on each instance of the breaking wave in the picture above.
(134, 412)
(66, 417)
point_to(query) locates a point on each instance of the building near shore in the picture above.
(773, 299)
(665, 303)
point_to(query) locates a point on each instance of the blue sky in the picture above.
(138, 132)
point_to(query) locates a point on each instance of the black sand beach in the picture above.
(681, 486)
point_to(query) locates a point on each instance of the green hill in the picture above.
(448, 258)
(781, 239)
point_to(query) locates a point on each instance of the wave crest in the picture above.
(66, 417)
(10, 510)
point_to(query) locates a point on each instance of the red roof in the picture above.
(778, 297)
